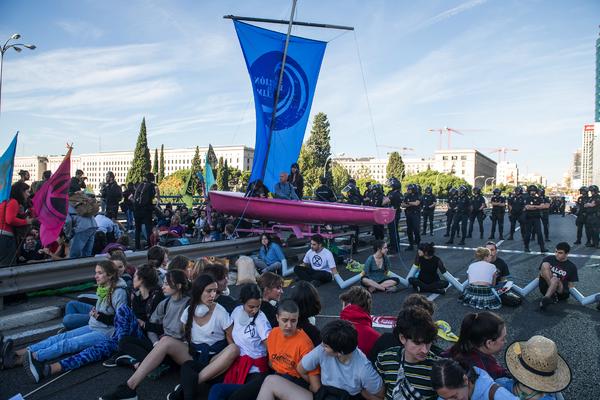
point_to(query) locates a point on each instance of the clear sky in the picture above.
(517, 74)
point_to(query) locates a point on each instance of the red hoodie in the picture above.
(363, 323)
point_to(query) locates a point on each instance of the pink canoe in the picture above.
(298, 212)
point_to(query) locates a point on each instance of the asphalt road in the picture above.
(575, 328)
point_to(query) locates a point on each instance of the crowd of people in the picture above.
(179, 313)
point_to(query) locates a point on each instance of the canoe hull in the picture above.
(298, 211)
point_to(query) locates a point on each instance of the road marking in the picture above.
(499, 243)
(433, 296)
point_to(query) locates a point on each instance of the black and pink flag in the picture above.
(51, 202)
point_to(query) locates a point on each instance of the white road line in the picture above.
(433, 296)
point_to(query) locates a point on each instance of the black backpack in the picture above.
(143, 195)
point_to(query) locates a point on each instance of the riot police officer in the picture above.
(324, 192)
(353, 196)
(516, 206)
(593, 216)
(463, 205)
(452, 202)
(394, 200)
(498, 209)
(375, 199)
(581, 216)
(428, 202)
(545, 213)
(533, 215)
(412, 205)
(477, 211)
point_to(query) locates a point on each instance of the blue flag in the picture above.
(276, 150)
(7, 164)
(209, 178)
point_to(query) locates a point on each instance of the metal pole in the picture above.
(284, 22)
(1, 66)
(278, 88)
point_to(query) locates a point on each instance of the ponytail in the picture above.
(476, 329)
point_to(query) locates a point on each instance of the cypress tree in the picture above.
(212, 157)
(225, 177)
(220, 174)
(155, 163)
(161, 164)
(140, 165)
(196, 167)
(314, 153)
(395, 167)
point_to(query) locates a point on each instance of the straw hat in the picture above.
(537, 364)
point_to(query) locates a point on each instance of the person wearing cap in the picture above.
(77, 182)
(557, 276)
(537, 369)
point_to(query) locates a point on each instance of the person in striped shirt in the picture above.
(406, 369)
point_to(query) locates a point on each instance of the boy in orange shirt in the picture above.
(286, 345)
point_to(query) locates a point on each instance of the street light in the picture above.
(18, 47)
(485, 182)
(477, 177)
(330, 157)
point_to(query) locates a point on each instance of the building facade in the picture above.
(95, 165)
(587, 154)
(507, 173)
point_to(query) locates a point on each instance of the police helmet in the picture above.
(394, 183)
(351, 182)
(477, 190)
(497, 192)
(518, 190)
(542, 191)
(377, 187)
(532, 188)
(462, 189)
(428, 190)
(411, 187)
(452, 192)
(583, 190)
(594, 188)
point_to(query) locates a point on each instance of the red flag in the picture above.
(51, 202)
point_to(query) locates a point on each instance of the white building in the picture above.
(365, 166)
(534, 178)
(587, 154)
(507, 173)
(95, 165)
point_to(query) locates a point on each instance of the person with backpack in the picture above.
(80, 225)
(111, 194)
(143, 206)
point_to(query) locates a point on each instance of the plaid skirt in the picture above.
(482, 297)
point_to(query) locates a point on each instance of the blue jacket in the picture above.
(271, 255)
(285, 191)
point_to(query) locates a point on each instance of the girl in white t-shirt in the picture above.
(479, 293)
(250, 331)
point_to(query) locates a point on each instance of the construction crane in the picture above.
(403, 150)
(501, 152)
(448, 131)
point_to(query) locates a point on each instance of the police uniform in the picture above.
(427, 201)
(533, 223)
(452, 203)
(354, 197)
(516, 207)
(463, 204)
(395, 197)
(477, 213)
(413, 218)
(375, 199)
(498, 215)
(324, 193)
(593, 216)
(545, 214)
(581, 217)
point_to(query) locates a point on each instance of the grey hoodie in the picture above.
(119, 297)
(168, 312)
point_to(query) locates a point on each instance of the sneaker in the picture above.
(577, 242)
(176, 394)
(545, 302)
(35, 369)
(121, 392)
(124, 361)
(7, 355)
(450, 242)
(110, 363)
(527, 250)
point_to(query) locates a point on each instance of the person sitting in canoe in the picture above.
(283, 189)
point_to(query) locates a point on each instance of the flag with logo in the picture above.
(7, 165)
(209, 178)
(51, 201)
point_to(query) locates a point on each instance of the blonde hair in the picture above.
(481, 253)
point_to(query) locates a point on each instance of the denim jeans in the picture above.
(130, 220)
(222, 391)
(77, 314)
(262, 266)
(82, 243)
(66, 343)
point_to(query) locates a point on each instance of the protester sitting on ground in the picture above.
(356, 308)
(428, 279)
(391, 339)
(122, 244)
(111, 295)
(194, 269)
(271, 286)
(158, 257)
(220, 274)
(31, 250)
(270, 255)
(375, 276)
(10, 221)
(538, 371)
(286, 345)
(230, 233)
(110, 228)
(482, 336)
(179, 262)
(250, 331)
(207, 332)
(306, 296)
(200, 224)
(283, 189)
(318, 265)
(481, 274)
(451, 380)
(502, 271)
(406, 369)
(345, 370)
(176, 229)
(258, 189)
(557, 275)
(58, 250)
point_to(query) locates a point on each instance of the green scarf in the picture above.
(102, 292)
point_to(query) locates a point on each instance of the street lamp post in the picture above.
(329, 158)
(17, 47)
(485, 182)
(477, 177)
